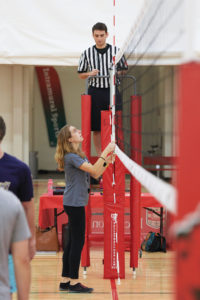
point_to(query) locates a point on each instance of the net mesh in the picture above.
(153, 49)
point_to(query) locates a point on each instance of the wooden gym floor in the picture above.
(153, 281)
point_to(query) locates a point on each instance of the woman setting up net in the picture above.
(73, 161)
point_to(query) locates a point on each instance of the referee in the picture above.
(97, 60)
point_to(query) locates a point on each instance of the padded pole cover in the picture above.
(86, 124)
(113, 212)
(135, 188)
(119, 131)
(188, 240)
(86, 146)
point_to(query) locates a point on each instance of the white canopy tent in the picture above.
(50, 32)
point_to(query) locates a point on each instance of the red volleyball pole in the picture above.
(114, 261)
(86, 124)
(188, 210)
(135, 186)
(86, 146)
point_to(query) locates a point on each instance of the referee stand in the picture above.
(114, 192)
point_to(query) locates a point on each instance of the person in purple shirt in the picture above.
(15, 176)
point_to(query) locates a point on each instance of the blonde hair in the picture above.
(64, 146)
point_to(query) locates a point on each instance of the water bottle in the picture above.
(50, 187)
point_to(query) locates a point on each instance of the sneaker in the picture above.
(79, 288)
(64, 286)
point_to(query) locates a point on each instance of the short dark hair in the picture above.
(2, 128)
(99, 26)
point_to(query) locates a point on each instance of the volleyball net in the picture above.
(157, 139)
(158, 136)
(151, 49)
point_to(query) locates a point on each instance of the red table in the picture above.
(56, 201)
(51, 206)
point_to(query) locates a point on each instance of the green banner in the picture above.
(52, 102)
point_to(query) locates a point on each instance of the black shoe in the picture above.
(79, 288)
(64, 286)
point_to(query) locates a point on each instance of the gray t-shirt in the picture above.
(13, 228)
(77, 181)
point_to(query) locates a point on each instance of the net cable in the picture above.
(164, 192)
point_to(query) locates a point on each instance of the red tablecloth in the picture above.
(48, 203)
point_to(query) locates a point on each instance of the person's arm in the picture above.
(83, 66)
(122, 66)
(100, 165)
(85, 75)
(20, 252)
(30, 215)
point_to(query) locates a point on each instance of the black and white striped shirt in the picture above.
(101, 59)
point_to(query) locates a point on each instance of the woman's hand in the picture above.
(110, 147)
(110, 158)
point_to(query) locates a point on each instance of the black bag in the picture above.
(154, 242)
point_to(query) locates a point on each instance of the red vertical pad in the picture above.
(136, 129)
(135, 188)
(106, 131)
(188, 258)
(85, 255)
(135, 217)
(119, 130)
(119, 177)
(86, 123)
(113, 212)
(86, 146)
(113, 237)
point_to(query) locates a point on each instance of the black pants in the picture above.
(72, 251)
(101, 101)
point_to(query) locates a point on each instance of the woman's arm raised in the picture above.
(100, 165)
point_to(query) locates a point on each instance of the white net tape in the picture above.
(190, 221)
(162, 191)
